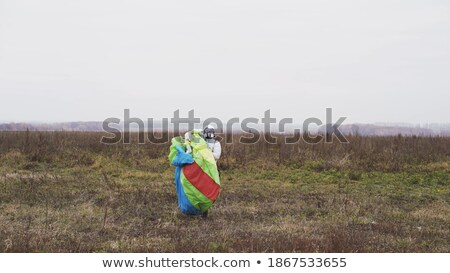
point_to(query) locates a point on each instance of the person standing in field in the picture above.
(209, 135)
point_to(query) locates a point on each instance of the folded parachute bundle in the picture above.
(196, 177)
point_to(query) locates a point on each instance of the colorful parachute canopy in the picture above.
(196, 176)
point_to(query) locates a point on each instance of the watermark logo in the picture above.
(250, 130)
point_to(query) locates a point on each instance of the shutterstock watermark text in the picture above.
(250, 129)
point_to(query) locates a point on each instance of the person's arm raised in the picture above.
(217, 151)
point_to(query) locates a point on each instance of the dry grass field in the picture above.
(67, 192)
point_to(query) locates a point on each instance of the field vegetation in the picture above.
(67, 192)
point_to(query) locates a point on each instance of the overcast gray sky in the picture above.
(372, 61)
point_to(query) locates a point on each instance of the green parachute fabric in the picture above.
(196, 176)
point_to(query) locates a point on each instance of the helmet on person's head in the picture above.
(209, 132)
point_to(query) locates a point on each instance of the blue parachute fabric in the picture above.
(183, 158)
